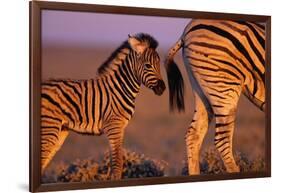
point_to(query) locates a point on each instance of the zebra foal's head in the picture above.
(147, 62)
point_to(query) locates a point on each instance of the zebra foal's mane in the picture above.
(142, 37)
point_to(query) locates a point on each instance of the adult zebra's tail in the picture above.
(175, 80)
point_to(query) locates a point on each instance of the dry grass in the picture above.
(211, 163)
(139, 166)
(87, 170)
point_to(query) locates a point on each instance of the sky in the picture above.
(92, 29)
(82, 41)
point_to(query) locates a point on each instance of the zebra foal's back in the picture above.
(78, 105)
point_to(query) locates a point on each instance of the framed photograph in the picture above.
(123, 96)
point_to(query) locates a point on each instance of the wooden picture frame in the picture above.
(36, 8)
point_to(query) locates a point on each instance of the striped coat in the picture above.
(224, 59)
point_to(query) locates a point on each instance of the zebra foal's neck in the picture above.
(121, 72)
(120, 79)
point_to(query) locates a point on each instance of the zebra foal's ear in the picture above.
(137, 45)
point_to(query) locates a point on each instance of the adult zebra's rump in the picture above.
(103, 105)
(223, 59)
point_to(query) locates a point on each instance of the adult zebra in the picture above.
(223, 59)
(101, 105)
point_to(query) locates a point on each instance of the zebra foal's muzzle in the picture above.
(159, 88)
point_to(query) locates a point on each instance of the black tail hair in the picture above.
(176, 86)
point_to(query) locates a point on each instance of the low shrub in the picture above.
(211, 163)
(135, 166)
(139, 166)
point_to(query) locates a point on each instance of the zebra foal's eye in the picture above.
(147, 65)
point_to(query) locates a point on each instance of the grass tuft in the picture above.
(139, 166)
(211, 163)
(88, 170)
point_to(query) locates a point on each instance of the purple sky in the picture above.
(90, 29)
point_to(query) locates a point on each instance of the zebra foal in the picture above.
(223, 59)
(103, 105)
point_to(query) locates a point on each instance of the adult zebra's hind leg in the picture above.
(224, 140)
(196, 133)
(225, 114)
(52, 138)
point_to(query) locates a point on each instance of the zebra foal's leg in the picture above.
(115, 135)
(52, 138)
(195, 135)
